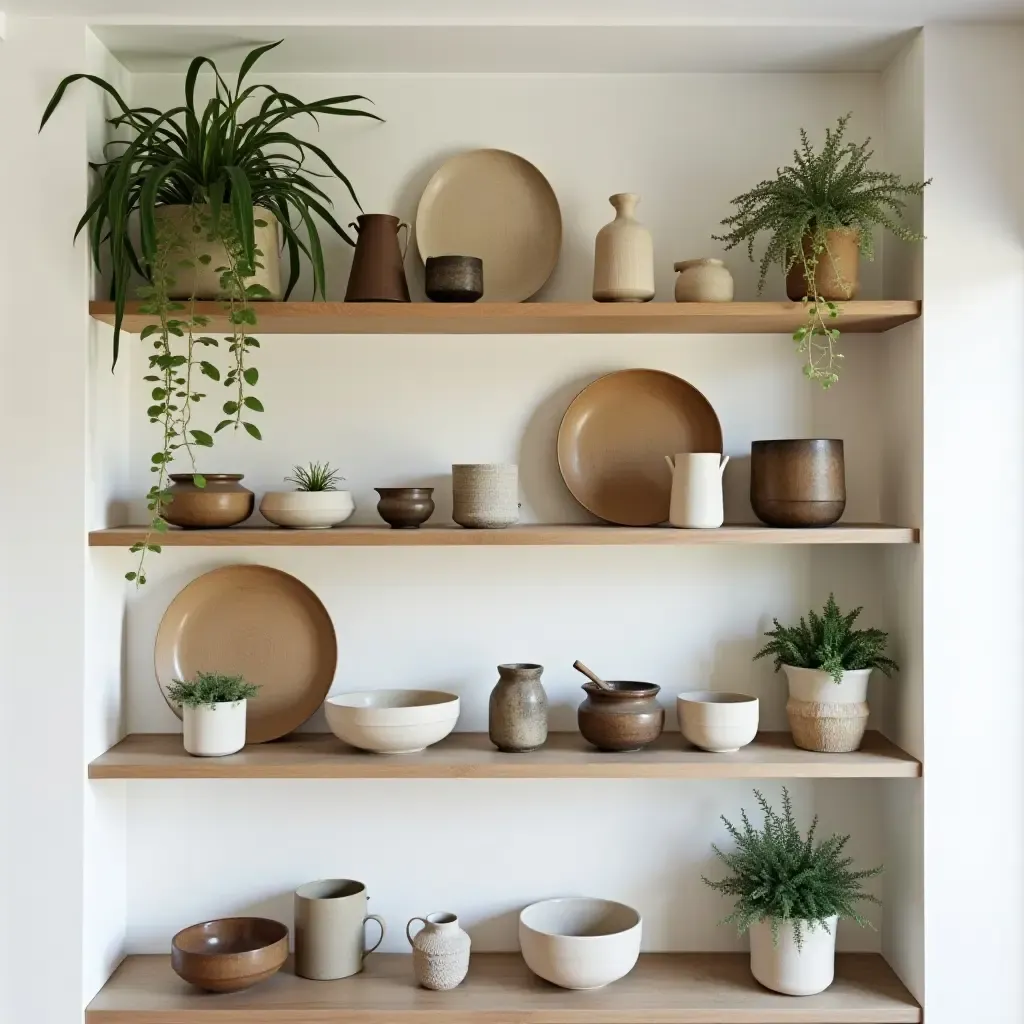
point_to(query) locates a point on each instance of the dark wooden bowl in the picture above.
(798, 482)
(229, 954)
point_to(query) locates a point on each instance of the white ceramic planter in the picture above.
(307, 510)
(824, 715)
(213, 730)
(785, 968)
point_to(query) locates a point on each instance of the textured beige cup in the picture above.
(330, 937)
(485, 496)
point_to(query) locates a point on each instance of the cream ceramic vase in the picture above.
(214, 730)
(703, 280)
(624, 256)
(697, 502)
(440, 951)
(785, 968)
(824, 715)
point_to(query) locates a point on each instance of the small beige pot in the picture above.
(440, 951)
(703, 280)
(485, 496)
(824, 715)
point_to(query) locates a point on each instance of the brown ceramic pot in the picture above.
(229, 954)
(378, 271)
(222, 502)
(799, 482)
(628, 717)
(454, 278)
(837, 275)
(405, 508)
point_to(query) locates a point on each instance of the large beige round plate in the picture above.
(257, 622)
(614, 438)
(497, 206)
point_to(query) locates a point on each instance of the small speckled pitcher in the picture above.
(518, 709)
(440, 951)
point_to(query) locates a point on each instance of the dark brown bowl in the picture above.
(628, 717)
(405, 508)
(229, 954)
(798, 482)
(454, 278)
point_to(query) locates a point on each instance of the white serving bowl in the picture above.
(307, 510)
(580, 942)
(392, 721)
(718, 721)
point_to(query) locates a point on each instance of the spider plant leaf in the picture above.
(252, 57)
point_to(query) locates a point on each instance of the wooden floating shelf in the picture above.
(664, 988)
(470, 755)
(516, 536)
(866, 317)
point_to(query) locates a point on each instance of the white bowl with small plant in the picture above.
(315, 504)
(213, 712)
(828, 663)
(790, 895)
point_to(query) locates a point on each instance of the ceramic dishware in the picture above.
(625, 717)
(517, 715)
(229, 954)
(696, 502)
(837, 275)
(580, 943)
(378, 271)
(440, 951)
(307, 510)
(624, 255)
(454, 278)
(614, 437)
(260, 623)
(485, 496)
(214, 730)
(794, 970)
(718, 721)
(703, 280)
(498, 207)
(798, 482)
(392, 721)
(405, 508)
(223, 502)
(330, 929)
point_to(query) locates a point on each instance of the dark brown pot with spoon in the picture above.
(378, 266)
(798, 482)
(619, 715)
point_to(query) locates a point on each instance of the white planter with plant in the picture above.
(790, 895)
(315, 504)
(213, 712)
(828, 664)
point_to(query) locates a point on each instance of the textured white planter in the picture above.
(785, 968)
(824, 715)
(213, 730)
(307, 510)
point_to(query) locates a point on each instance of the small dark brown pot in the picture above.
(454, 278)
(799, 482)
(221, 503)
(229, 954)
(628, 717)
(405, 508)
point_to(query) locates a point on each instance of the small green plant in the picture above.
(210, 688)
(779, 875)
(821, 192)
(314, 477)
(828, 642)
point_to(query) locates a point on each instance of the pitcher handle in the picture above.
(380, 922)
(671, 464)
(408, 236)
(354, 225)
(412, 920)
(725, 462)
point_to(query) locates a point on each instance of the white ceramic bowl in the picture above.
(392, 721)
(307, 510)
(580, 942)
(718, 721)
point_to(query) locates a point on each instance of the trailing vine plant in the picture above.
(834, 190)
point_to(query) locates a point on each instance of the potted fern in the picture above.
(790, 894)
(821, 213)
(827, 664)
(213, 708)
(315, 504)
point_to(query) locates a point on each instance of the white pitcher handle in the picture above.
(725, 462)
(671, 464)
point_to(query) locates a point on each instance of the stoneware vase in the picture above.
(798, 482)
(405, 508)
(485, 496)
(825, 715)
(837, 275)
(454, 278)
(378, 265)
(223, 502)
(440, 951)
(307, 510)
(624, 256)
(785, 968)
(330, 929)
(214, 730)
(627, 717)
(518, 709)
(696, 502)
(703, 280)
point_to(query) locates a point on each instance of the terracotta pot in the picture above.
(378, 272)
(628, 717)
(221, 503)
(798, 482)
(624, 256)
(405, 508)
(517, 712)
(837, 275)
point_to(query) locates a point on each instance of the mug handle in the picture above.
(410, 924)
(408, 236)
(380, 921)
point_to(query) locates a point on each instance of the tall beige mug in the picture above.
(330, 934)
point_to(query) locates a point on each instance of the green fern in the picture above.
(780, 876)
(828, 642)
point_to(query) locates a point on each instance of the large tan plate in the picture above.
(497, 206)
(260, 623)
(614, 438)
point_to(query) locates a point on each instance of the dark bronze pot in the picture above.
(221, 503)
(628, 717)
(799, 482)
(454, 278)
(378, 271)
(405, 508)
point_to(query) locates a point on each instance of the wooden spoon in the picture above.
(592, 676)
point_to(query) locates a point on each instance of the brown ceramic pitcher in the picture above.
(378, 272)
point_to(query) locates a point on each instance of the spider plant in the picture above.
(314, 477)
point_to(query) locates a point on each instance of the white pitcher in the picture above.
(697, 490)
